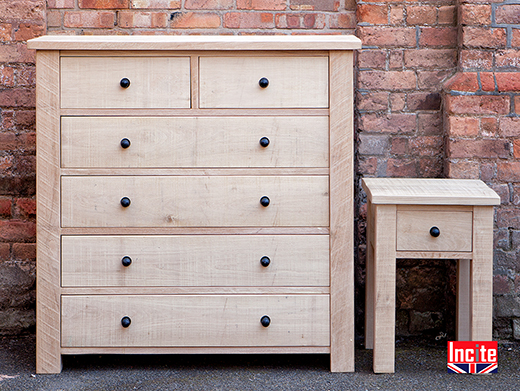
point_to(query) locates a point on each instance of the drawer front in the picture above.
(413, 230)
(155, 82)
(194, 201)
(195, 320)
(194, 142)
(294, 82)
(201, 260)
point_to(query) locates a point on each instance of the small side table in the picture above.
(428, 219)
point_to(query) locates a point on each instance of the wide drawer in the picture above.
(293, 82)
(194, 142)
(194, 201)
(414, 230)
(96, 82)
(195, 320)
(201, 260)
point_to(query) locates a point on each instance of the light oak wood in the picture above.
(369, 279)
(194, 42)
(198, 231)
(197, 290)
(433, 255)
(413, 230)
(194, 142)
(232, 82)
(48, 359)
(254, 171)
(93, 82)
(201, 350)
(463, 329)
(201, 260)
(194, 201)
(195, 112)
(342, 212)
(218, 320)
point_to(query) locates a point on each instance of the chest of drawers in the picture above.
(195, 195)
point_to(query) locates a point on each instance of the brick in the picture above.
(248, 20)
(489, 127)
(103, 4)
(186, 20)
(141, 19)
(426, 145)
(5, 207)
(463, 81)
(208, 4)
(6, 162)
(5, 32)
(476, 59)
(484, 37)
(89, 19)
(447, 15)
(375, 59)
(462, 170)
(372, 101)
(477, 104)
(395, 59)
(400, 146)
(463, 126)
(22, 10)
(508, 217)
(508, 81)
(17, 97)
(313, 5)
(53, 18)
(404, 168)
(508, 14)
(424, 101)
(516, 149)
(344, 20)
(268, 5)
(16, 52)
(432, 80)
(373, 144)
(291, 21)
(397, 101)
(486, 148)
(25, 118)
(367, 166)
(475, 14)
(60, 3)
(17, 231)
(391, 80)
(515, 39)
(5, 251)
(431, 167)
(487, 170)
(26, 207)
(155, 4)
(509, 126)
(509, 58)
(487, 80)
(516, 201)
(24, 251)
(502, 285)
(7, 141)
(391, 123)
(517, 104)
(430, 58)
(438, 37)
(396, 15)
(429, 124)
(373, 14)
(421, 15)
(6, 76)
(387, 36)
(27, 31)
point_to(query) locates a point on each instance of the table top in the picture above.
(429, 191)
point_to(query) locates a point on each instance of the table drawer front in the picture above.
(413, 230)
(201, 260)
(155, 82)
(194, 201)
(195, 320)
(194, 142)
(294, 82)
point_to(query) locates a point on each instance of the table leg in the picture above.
(369, 281)
(463, 300)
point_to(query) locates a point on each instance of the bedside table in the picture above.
(422, 219)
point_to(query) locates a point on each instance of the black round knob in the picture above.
(125, 83)
(266, 321)
(126, 261)
(265, 201)
(264, 142)
(125, 321)
(125, 202)
(434, 231)
(265, 261)
(263, 82)
(125, 143)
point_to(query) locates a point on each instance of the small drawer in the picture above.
(195, 201)
(200, 260)
(264, 82)
(194, 142)
(434, 230)
(125, 82)
(195, 320)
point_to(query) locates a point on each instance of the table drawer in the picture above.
(414, 225)
(195, 320)
(294, 82)
(194, 201)
(96, 82)
(194, 142)
(200, 260)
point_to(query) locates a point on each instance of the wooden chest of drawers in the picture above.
(195, 195)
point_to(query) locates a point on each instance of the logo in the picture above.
(472, 357)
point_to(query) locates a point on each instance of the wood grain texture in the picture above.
(201, 350)
(342, 212)
(89, 142)
(217, 320)
(197, 290)
(93, 82)
(433, 255)
(232, 82)
(463, 321)
(200, 260)
(210, 201)
(48, 358)
(198, 231)
(369, 279)
(254, 171)
(195, 112)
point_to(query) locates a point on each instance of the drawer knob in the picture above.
(125, 83)
(263, 82)
(265, 201)
(265, 320)
(264, 142)
(125, 321)
(435, 232)
(126, 261)
(125, 143)
(265, 261)
(125, 202)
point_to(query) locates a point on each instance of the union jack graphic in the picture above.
(472, 368)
